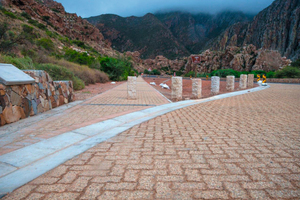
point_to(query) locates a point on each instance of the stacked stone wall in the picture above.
(21, 101)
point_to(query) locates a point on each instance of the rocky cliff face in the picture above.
(246, 58)
(275, 28)
(52, 13)
(172, 35)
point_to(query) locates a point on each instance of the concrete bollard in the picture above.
(230, 83)
(243, 81)
(176, 88)
(196, 88)
(131, 88)
(215, 85)
(250, 80)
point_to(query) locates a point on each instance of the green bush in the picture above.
(61, 73)
(46, 18)
(270, 74)
(33, 22)
(10, 14)
(202, 75)
(78, 57)
(191, 73)
(79, 43)
(296, 63)
(146, 71)
(179, 73)
(117, 69)
(25, 15)
(156, 72)
(46, 43)
(42, 26)
(21, 63)
(225, 72)
(288, 72)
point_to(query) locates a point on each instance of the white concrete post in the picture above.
(230, 83)
(131, 88)
(243, 81)
(250, 80)
(176, 88)
(196, 88)
(215, 85)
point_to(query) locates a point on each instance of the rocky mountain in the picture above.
(173, 34)
(275, 28)
(53, 14)
(146, 34)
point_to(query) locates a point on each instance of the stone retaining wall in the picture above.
(21, 101)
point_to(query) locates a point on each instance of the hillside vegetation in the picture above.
(28, 43)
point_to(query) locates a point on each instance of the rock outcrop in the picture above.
(51, 13)
(275, 28)
(247, 58)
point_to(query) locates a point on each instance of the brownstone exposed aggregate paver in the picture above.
(107, 105)
(242, 147)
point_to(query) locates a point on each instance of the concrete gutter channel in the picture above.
(23, 165)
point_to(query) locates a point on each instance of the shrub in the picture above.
(61, 73)
(33, 22)
(79, 43)
(78, 57)
(288, 72)
(191, 73)
(21, 63)
(296, 63)
(270, 74)
(117, 69)
(83, 72)
(155, 72)
(146, 71)
(42, 26)
(225, 72)
(46, 18)
(46, 43)
(25, 15)
(202, 75)
(10, 14)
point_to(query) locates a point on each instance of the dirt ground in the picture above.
(187, 87)
(94, 89)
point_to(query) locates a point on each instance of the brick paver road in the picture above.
(102, 107)
(243, 147)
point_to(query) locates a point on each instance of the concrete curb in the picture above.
(22, 166)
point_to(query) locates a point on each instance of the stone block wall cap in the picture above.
(11, 75)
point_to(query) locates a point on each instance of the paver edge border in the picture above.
(25, 174)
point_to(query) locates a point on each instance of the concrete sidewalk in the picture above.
(244, 146)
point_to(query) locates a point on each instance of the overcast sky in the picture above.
(125, 8)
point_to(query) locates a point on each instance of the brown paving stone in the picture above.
(79, 184)
(211, 194)
(244, 147)
(35, 196)
(62, 196)
(92, 191)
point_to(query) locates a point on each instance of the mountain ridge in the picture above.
(171, 32)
